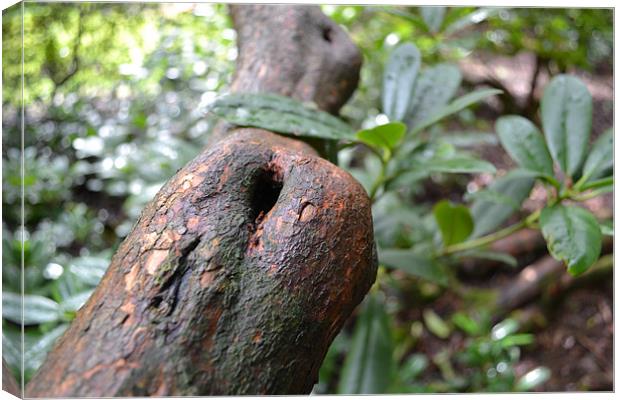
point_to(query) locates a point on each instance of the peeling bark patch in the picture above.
(307, 212)
(130, 278)
(206, 278)
(193, 223)
(128, 308)
(154, 260)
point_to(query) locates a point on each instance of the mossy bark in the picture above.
(242, 270)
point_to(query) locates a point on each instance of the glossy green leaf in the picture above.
(369, 364)
(573, 236)
(504, 197)
(524, 143)
(399, 80)
(383, 136)
(454, 221)
(414, 264)
(37, 309)
(280, 114)
(433, 17)
(566, 109)
(435, 324)
(600, 160)
(532, 379)
(454, 107)
(458, 164)
(433, 90)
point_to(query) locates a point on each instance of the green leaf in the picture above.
(413, 366)
(466, 324)
(472, 18)
(89, 270)
(280, 114)
(490, 255)
(11, 351)
(454, 107)
(566, 109)
(433, 17)
(454, 222)
(458, 164)
(369, 364)
(605, 183)
(524, 143)
(73, 303)
(573, 236)
(470, 139)
(505, 197)
(521, 339)
(399, 80)
(383, 136)
(504, 329)
(35, 352)
(37, 309)
(607, 227)
(433, 89)
(600, 161)
(435, 324)
(535, 377)
(414, 264)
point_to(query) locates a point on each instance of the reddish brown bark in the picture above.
(242, 270)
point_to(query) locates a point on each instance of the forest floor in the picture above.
(573, 326)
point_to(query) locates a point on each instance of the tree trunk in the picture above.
(241, 271)
(9, 384)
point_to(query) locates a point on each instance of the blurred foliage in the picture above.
(115, 99)
(114, 106)
(561, 39)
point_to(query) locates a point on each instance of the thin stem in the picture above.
(590, 195)
(488, 239)
(377, 183)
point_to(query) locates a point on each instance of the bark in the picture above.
(242, 270)
(9, 384)
(546, 273)
(294, 51)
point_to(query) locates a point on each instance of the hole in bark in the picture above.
(327, 34)
(266, 192)
(156, 301)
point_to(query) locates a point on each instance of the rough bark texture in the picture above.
(242, 270)
(294, 51)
